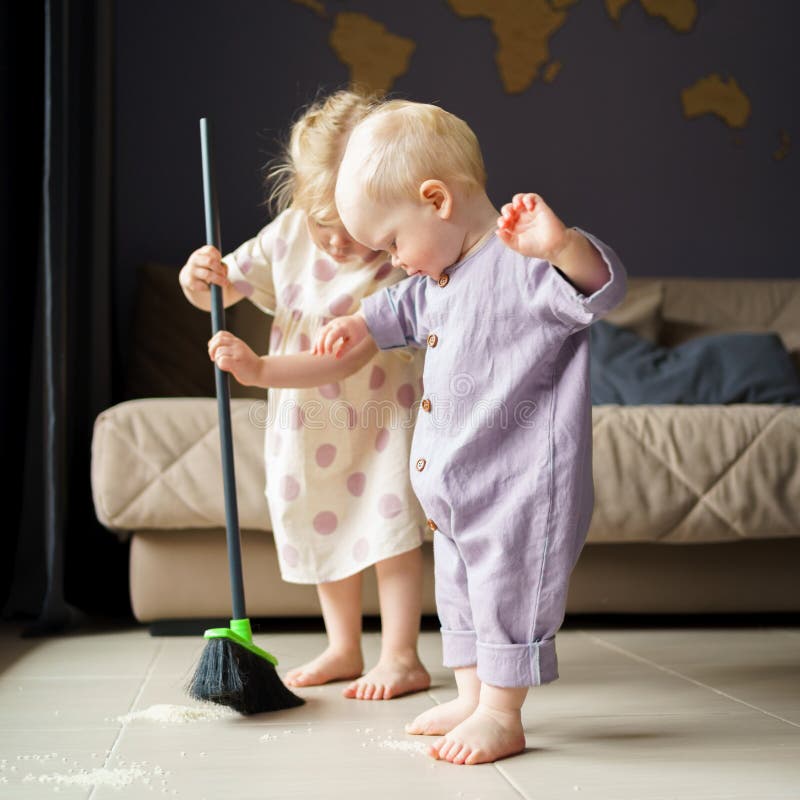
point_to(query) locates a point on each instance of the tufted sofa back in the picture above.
(670, 311)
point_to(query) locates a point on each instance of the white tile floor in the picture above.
(638, 713)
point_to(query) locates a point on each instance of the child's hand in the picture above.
(204, 267)
(530, 227)
(232, 355)
(340, 335)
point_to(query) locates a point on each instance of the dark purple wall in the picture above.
(605, 143)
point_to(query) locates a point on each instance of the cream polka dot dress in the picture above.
(336, 456)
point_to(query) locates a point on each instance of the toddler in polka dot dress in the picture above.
(338, 432)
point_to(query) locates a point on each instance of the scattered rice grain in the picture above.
(116, 778)
(177, 715)
(406, 747)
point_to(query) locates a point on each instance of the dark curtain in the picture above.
(59, 565)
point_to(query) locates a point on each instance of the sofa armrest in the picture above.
(156, 465)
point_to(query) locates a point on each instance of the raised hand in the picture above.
(529, 226)
(232, 355)
(340, 335)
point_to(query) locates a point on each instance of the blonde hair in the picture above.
(304, 175)
(413, 142)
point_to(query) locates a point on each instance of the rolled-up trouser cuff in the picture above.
(516, 665)
(458, 648)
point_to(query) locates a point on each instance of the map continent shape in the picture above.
(712, 95)
(523, 29)
(680, 15)
(375, 56)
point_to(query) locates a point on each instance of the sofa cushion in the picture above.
(718, 369)
(696, 473)
(699, 307)
(661, 473)
(156, 464)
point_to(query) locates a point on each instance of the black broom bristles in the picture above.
(233, 676)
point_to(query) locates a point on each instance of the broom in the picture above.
(232, 671)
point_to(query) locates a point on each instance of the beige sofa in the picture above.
(697, 507)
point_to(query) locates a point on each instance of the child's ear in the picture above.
(437, 194)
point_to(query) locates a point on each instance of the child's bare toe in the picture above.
(328, 666)
(483, 737)
(390, 678)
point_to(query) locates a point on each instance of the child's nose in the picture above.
(338, 239)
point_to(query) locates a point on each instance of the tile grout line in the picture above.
(148, 673)
(677, 674)
(510, 781)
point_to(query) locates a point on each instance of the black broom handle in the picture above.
(223, 387)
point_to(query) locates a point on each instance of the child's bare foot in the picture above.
(487, 735)
(442, 719)
(390, 677)
(331, 665)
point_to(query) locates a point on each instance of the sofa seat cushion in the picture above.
(667, 473)
(674, 473)
(156, 464)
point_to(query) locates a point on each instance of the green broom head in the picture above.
(234, 672)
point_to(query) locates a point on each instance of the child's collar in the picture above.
(479, 245)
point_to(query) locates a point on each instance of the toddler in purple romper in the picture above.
(501, 458)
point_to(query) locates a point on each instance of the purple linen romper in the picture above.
(501, 458)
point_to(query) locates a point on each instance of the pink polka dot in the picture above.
(303, 343)
(290, 555)
(330, 390)
(377, 377)
(291, 294)
(361, 549)
(356, 483)
(323, 269)
(325, 522)
(296, 418)
(382, 439)
(296, 314)
(288, 488)
(243, 287)
(383, 271)
(244, 264)
(325, 455)
(275, 337)
(389, 505)
(280, 249)
(341, 305)
(406, 395)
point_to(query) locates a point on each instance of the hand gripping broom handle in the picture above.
(223, 388)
